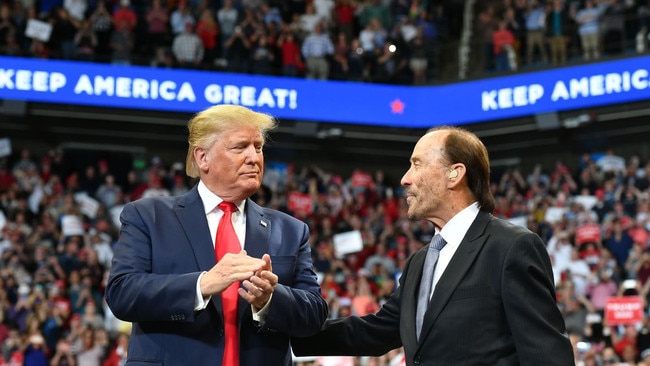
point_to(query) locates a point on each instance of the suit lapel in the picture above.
(191, 214)
(458, 266)
(409, 292)
(258, 229)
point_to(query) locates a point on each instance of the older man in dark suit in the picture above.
(490, 297)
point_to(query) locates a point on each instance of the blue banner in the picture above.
(190, 91)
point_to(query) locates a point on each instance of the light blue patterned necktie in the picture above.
(424, 294)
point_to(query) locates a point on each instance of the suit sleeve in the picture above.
(134, 292)
(537, 325)
(297, 307)
(369, 335)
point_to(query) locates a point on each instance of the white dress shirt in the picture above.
(214, 214)
(453, 233)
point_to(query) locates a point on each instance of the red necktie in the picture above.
(227, 242)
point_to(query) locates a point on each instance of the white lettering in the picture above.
(505, 98)
(39, 81)
(140, 88)
(266, 99)
(212, 94)
(57, 81)
(250, 96)
(123, 87)
(613, 83)
(231, 94)
(639, 79)
(580, 86)
(186, 93)
(518, 96)
(560, 91)
(104, 85)
(24, 80)
(166, 90)
(596, 86)
(31, 80)
(6, 77)
(83, 85)
(489, 100)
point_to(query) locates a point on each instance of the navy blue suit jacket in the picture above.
(164, 245)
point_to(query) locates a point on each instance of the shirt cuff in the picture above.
(259, 315)
(200, 302)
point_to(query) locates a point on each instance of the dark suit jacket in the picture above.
(164, 245)
(494, 305)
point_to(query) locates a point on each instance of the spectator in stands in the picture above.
(535, 29)
(85, 42)
(340, 65)
(101, 21)
(180, 17)
(557, 30)
(238, 50)
(227, 17)
(292, 62)
(356, 61)
(63, 355)
(64, 28)
(121, 44)
(317, 49)
(611, 163)
(618, 241)
(420, 50)
(484, 27)
(124, 17)
(344, 11)
(390, 64)
(503, 42)
(11, 46)
(516, 25)
(374, 9)
(588, 19)
(157, 19)
(262, 56)
(309, 19)
(613, 27)
(187, 48)
(207, 29)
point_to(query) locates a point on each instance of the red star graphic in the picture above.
(397, 106)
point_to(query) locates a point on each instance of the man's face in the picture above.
(233, 166)
(426, 179)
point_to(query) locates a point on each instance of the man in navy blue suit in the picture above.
(166, 280)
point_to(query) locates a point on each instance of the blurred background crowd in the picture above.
(384, 41)
(59, 225)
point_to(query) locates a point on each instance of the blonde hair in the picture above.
(205, 126)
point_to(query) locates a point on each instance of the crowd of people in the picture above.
(59, 227)
(370, 40)
(401, 41)
(515, 34)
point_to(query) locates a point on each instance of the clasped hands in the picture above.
(255, 274)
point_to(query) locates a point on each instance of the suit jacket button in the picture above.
(417, 360)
